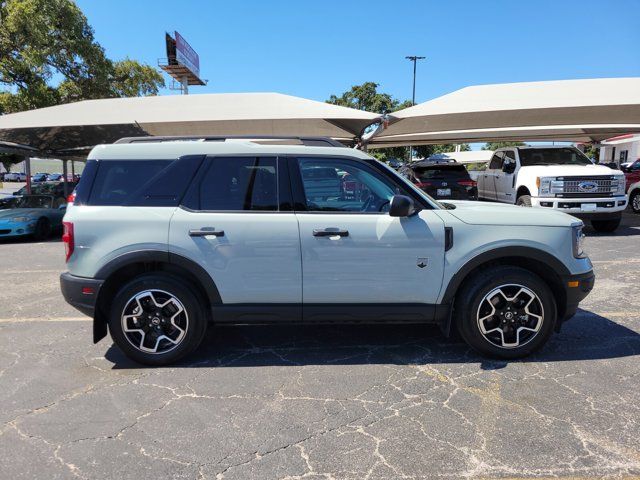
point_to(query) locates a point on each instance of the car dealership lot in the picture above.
(354, 402)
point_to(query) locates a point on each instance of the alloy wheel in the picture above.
(510, 316)
(154, 321)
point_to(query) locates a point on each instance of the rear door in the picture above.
(237, 222)
(489, 177)
(505, 191)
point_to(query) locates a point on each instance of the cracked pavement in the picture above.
(323, 402)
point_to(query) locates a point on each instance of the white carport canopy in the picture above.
(63, 128)
(564, 110)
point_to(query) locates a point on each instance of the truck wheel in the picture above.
(156, 320)
(524, 201)
(505, 312)
(606, 226)
(634, 200)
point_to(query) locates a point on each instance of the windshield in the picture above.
(34, 201)
(552, 156)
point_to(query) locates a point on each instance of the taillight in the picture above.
(423, 184)
(71, 198)
(67, 239)
(467, 183)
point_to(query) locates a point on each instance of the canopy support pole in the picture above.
(27, 172)
(64, 179)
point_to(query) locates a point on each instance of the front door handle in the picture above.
(206, 231)
(330, 232)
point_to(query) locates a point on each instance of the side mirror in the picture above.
(401, 206)
(508, 167)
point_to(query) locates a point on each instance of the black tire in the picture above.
(605, 226)
(194, 307)
(524, 201)
(634, 200)
(472, 295)
(42, 230)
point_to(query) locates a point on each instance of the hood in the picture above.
(568, 170)
(18, 212)
(485, 213)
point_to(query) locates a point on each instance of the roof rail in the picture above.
(308, 141)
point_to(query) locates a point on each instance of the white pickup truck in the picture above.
(555, 177)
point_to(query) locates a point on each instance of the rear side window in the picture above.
(239, 184)
(156, 183)
(496, 161)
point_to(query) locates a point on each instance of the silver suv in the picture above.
(166, 237)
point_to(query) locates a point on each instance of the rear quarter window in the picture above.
(142, 182)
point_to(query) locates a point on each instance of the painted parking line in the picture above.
(45, 319)
(613, 314)
(616, 262)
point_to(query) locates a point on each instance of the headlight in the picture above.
(618, 185)
(21, 219)
(577, 238)
(549, 186)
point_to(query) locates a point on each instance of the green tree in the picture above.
(496, 145)
(48, 55)
(592, 152)
(367, 97)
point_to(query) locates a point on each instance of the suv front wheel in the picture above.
(505, 312)
(155, 319)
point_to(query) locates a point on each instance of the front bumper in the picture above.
(605, 207)
(80, 292)
(576, 288)
(16, 229)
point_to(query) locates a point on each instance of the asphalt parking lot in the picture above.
(355, 402)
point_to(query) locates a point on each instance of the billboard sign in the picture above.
(186, 55)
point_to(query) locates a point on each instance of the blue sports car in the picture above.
(35, 215)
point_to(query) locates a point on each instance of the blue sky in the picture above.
(315, 49)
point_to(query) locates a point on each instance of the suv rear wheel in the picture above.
(155, 319)
(606, 226)
(505, 312)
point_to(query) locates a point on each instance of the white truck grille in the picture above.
(589, 186)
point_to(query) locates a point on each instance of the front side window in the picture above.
(510, 156)
(336, 185)
(241, 183)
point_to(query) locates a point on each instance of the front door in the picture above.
(236, 221)
(352, 250)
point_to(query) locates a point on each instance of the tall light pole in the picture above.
(414, 59)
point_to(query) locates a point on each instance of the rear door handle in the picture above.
(330, 232)
(206, 231)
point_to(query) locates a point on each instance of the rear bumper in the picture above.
(576, 288)
(80, 292)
